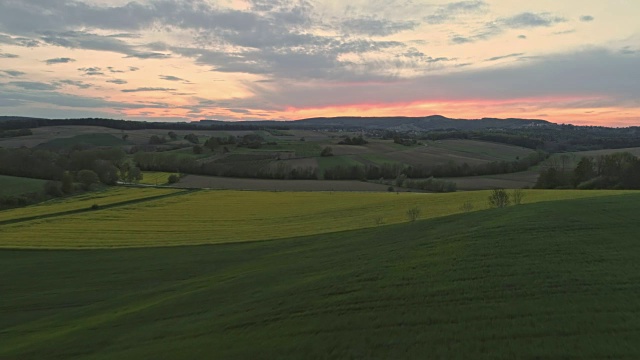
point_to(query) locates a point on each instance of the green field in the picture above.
(155, 178)
(88, 139)
(85, 201)
(12, 185)
(208, 217)
(550, 280)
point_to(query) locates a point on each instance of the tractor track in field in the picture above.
(99, 208)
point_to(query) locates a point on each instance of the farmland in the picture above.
(12, 185)
(543, 280)
(85, 201)
(211, 217)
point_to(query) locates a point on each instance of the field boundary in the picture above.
(100, 207)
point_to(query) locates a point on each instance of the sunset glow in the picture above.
(176, 60)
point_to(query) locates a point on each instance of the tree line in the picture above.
(614, 171)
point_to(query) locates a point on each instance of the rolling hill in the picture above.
(546, 280)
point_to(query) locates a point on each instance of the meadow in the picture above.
(107, 197)
(542, 280)
(213, 217)
(13, 185)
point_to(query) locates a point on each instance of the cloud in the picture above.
(8, 56)
(148, 55)
(531, 20)
(18, 41)
(78, 84)
(64, 60)
(13, 73)
(376, 27)
(594, 73)
(586, 18)
(92, 71)
(496, 58)
(147, 89)
(522, 37)
(118, 81)
(33, 85)
(171, 78)
(452, 10)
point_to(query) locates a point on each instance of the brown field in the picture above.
(45, 134)
(213, 182)
(507, 181)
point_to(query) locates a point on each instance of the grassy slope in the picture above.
(11, 185)
(106, 197)
(546, 280)
(207, 217)
(92, 139)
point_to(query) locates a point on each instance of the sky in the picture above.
(569, 61)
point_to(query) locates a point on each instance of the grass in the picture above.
(210, 217)
(12, 185)
(97, 139)
(84, 201)
(327, 162)
(155, 178)
(545, 280)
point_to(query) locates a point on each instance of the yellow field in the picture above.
(84, 201)
(155, 178)
(209, 217)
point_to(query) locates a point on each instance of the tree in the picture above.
(192, 138)
(173, 136)
(173, 178)
(584, 171)
(327, 151)
(413, 214)
(87, 178)
(134, 175)
(499, 198)
(197, 149)
(157, 140)
(67, 183)
(52, 188)
(517, 196)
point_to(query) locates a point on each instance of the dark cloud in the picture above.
(376, 27)
(13, 73)
(171, 78)
(63, 60)
(148, 55)
(592, 73)
(565, 32)
(147, 89)
(78, 84)
(522, 37)
(586, 18)
(450, 11)
(8, 56)
(34, 85)
(18, 41)
(92, 71)
(531, 20)
(118, 81)
(496, 58)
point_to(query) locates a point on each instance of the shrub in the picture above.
(413, 214)
(173, 178)
(517, 195)
(467, 206)
(499, 198)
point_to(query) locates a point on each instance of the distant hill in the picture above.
(434, 122)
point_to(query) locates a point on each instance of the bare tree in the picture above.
(413, 214)
(499, 198)
(467, 206)
(517, 195)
